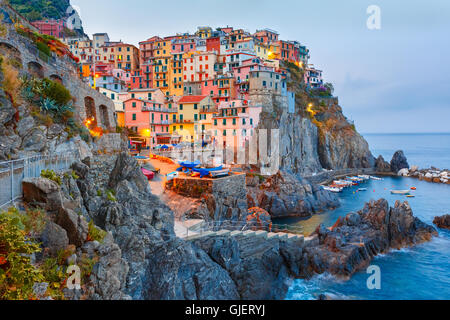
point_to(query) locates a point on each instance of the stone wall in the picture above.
(63, 69)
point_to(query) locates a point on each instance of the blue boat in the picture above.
(186, 167)
(206, 172)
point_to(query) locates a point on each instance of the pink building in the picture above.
(234, 123)
(150, 119)
(51, 27)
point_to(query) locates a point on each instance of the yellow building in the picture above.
(188, 123)
(176, 74)
(204, 32)
(162, 67)
(262, 50)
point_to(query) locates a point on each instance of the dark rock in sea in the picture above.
(442, 222)
(284, 195)
(350, 244)
(399, 162)
(381, 165)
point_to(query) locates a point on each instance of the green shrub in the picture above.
(111, 195)
(42, 47)
(17, 274)
(94, 233)
(51, 175)
(56, 92)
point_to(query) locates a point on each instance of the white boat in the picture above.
(362, 189)
(402, 192)
(375, 178)
(364, 177)
(332, 189)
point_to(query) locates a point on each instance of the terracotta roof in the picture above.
(191, 99)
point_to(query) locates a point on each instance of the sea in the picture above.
(418, 273)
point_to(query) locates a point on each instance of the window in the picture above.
(215, 123)
(234, 121)
(134, 104)
(224, 122)
(195, 117)
(134, 116)
(195, 106)
(181, 107)
(224, 133)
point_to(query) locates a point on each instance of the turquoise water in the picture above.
(421, 272)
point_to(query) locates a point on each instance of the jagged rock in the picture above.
(109, 274)
(42, 192)
(287, 195)
(40, 290)
(35, 140)
(54, 237)
(80, 169)
(399, 162)
(25, 125)
(442, 222)
(350, 245)
(74, 224)
(381, 165)
(6, 110)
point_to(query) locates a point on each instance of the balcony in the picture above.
(161, 122)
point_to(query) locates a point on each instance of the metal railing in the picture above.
(229, 225)
(13, 172)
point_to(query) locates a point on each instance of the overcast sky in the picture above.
(396, 79)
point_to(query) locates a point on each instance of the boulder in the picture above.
(35, 140)
(54, 238)
(442, 222)
(403, 173)
(399, 162)
(352, 242)
(381, 165)
(284, 194)
(25, 125)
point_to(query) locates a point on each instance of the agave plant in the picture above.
(48, 105)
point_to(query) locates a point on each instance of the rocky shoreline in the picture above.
(141, 258)
(432, 174)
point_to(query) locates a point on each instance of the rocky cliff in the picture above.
(315, 135)
(353, 241)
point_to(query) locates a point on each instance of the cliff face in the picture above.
(315, 135)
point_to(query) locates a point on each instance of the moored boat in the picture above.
(402, 192)
(333, 189)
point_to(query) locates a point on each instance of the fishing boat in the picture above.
(401, 192)
(364, 177)
(410, 196)
(149, 174)
(375, 178)
(362, 189)
(207, 172)
(413, 188)
(333, 189)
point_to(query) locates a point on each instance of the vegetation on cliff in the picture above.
(39, 9)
